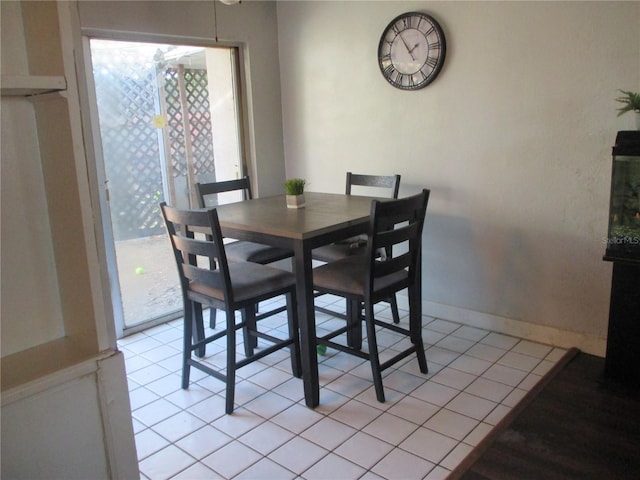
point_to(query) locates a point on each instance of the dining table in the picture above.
(325, 218)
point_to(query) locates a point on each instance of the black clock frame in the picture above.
(388, 72)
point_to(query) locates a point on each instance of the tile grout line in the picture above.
(353, 396)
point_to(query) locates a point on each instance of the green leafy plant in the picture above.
(294, 186)
(631, 102)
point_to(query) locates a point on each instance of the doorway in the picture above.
(169, 116)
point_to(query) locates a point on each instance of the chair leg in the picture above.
(294, 349)
(415, 329)
(394, 308)
(250, 341)
(198, 329)
(374, 358)
(212, 317)
(186, 343)
(231, 363)
(212, 311)
(354, 322)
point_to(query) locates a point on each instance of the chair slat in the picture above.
(389, 238)
(187, 217)
(211, 278)
(381, 181)
(204, 189)
(194, 246)
(392, 265)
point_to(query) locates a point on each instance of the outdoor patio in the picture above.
(148, 278)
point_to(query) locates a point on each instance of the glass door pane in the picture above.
(168, 118)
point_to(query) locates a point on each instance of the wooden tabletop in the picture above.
(324, 212)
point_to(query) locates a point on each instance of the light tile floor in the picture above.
(427, 426)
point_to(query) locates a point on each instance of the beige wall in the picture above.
(513, 138)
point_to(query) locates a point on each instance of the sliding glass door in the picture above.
(169, 117)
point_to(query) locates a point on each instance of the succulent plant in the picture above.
(631, 102)
(294, 186)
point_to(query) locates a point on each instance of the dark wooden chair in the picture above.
(393, 224)
(389, 184)
(239, 250)
(197, 240)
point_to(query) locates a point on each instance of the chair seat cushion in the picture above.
(249, 280)
(340, 250)
(348, 276)
(241, 251)
(344, 248)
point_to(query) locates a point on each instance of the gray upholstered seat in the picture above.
(242, 251)
(248, 281)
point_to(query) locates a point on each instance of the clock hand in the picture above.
(414, 47)
(407, 47)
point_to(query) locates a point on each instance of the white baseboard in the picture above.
(517, 328)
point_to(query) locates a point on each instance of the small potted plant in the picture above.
(631, 102)
(294, 190)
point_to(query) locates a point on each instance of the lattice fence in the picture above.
(136, 151)
(200, 142)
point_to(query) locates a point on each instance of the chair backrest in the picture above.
(203, 190)
(396, 225)
(197, 244)
(391, 182)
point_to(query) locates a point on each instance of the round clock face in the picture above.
(411, 51)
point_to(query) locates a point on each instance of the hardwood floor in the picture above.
(577, 426)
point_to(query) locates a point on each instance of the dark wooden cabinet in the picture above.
(623, 340)
(623, 249)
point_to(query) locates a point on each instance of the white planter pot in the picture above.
(295, 201)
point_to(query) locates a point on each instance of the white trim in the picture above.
(115, 408)
(54, 379)
(518, 328)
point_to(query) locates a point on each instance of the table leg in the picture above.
(306, 316)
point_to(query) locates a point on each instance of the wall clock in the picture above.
(411, 51)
